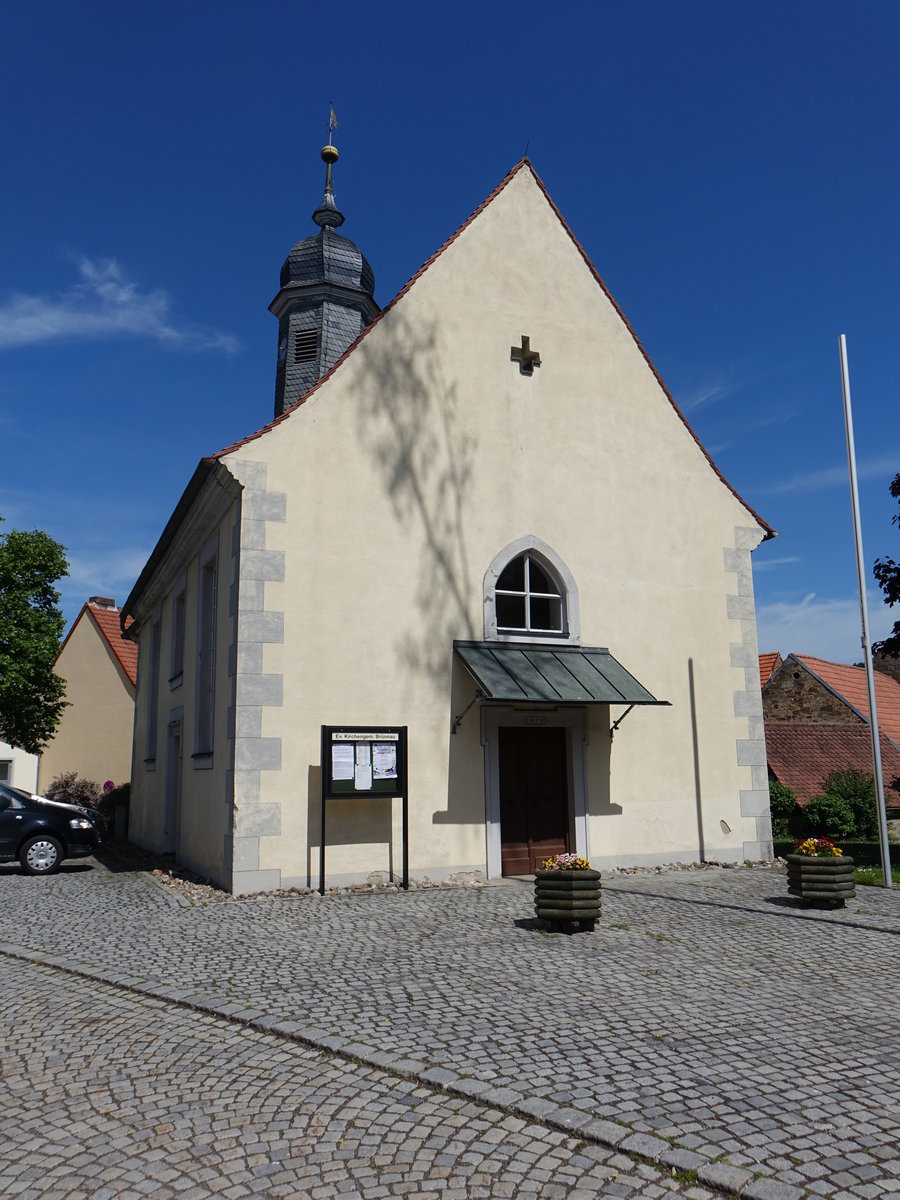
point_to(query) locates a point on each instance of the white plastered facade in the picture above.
(18, 768)
(357, 537)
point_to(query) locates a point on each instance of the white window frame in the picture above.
(552, 564)
(205, 693)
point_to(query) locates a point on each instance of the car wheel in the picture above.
(41, 855)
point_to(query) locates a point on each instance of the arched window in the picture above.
(530, 594)
(528, 598)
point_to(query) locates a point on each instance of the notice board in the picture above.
(364, 760)
(359, 762)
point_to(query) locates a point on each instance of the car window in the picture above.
(11, 797)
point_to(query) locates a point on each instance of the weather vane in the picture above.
(332, 120)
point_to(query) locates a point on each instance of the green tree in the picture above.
(857, 789)
(782, 802)
(829, 815)
(887, 573)
(32, 698)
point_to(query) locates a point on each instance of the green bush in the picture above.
(782, 802)
(829, 816)
(110, 801)
(71, 788)
(857, 790)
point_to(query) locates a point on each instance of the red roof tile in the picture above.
(107, 621)
(800, 756)
(849, 683)
(768, 663)
(106, 617)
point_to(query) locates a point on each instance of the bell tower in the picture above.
(325, 301)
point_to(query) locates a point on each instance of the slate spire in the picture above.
(326, 297)
(328, 214)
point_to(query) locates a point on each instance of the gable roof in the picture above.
(107, 619)
(849, 685)
(800, 756)
(206, 464)
(523, 164)
(768, 663)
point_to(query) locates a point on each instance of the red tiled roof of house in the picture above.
(107, 621)
(106, 617)
(800, 756)
(767, 664)
(849, 683)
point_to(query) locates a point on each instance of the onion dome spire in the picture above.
(328, 215)
(326, 298)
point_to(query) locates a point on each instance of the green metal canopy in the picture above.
(522, 671)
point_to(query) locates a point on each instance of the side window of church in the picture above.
(178, 615)
(153, 692)
(206, 653)
(5, 770)
(529, 598)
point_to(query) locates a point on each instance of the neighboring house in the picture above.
(95, 734)
(888, 665)
(817, 721)
(18, 768)
(813, 691)
(479, 515)
(768, 665)
(800, 756)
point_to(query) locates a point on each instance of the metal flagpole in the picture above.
(864, 616)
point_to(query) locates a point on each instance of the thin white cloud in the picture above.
(829, 477)
(99, 573)
(825, 627)
(119, 568)
(709, 392)
(104, 304)
(766, 564)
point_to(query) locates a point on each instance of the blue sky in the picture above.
(730, 169)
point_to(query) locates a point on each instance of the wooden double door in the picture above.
(534, 802)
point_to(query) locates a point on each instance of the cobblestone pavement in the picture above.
(709, 1021)
(143, 1097)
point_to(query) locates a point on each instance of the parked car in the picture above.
(40, 833)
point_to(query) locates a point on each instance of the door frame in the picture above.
(171, 833)
(574, 721)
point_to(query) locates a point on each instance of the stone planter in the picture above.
(825, 882)
(567, 900)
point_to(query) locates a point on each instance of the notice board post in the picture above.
(364, 762)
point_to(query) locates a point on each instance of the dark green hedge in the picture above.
(864, 854)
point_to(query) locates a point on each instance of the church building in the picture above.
(481, 546)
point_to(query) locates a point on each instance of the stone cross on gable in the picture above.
(527, 358)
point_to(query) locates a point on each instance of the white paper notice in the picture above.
(341, 762)
(363, 777)
(363, 753)
(385, 760)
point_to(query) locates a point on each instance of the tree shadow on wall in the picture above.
(412, 430)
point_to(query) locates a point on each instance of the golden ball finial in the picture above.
(329, 153)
